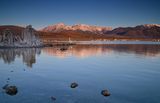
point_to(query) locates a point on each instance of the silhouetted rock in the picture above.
(105, 93)
(74, 85)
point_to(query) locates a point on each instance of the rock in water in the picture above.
(74, 85)
(53, 98)
(11, 90)
(11, 71)
(105, 93)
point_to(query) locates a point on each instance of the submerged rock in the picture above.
(74, 85)
(105, 93)
(53, 98)
(12, 71)
(10, 90)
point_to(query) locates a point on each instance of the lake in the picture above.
(130, 72)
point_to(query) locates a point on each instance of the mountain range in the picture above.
(89, 32)
(77, 27)
(140, 31)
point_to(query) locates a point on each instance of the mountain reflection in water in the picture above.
(28, 55)
(82, 51)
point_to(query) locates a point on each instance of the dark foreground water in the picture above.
(131, 72)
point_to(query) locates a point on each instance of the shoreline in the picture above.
(66, 43)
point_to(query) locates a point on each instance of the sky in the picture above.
(114, 13)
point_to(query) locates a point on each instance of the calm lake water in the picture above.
(131, 73)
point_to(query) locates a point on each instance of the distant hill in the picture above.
(17, 30)
(141, 31)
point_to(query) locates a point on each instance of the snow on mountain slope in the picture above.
(78, 27)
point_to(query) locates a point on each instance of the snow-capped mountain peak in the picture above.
(60, 24)
(77, 27)
(151, 25)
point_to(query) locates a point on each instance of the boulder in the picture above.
(105, 93)
(53, 98)
(11, 90)
(74, 85)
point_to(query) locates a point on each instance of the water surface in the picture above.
(131, 73)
